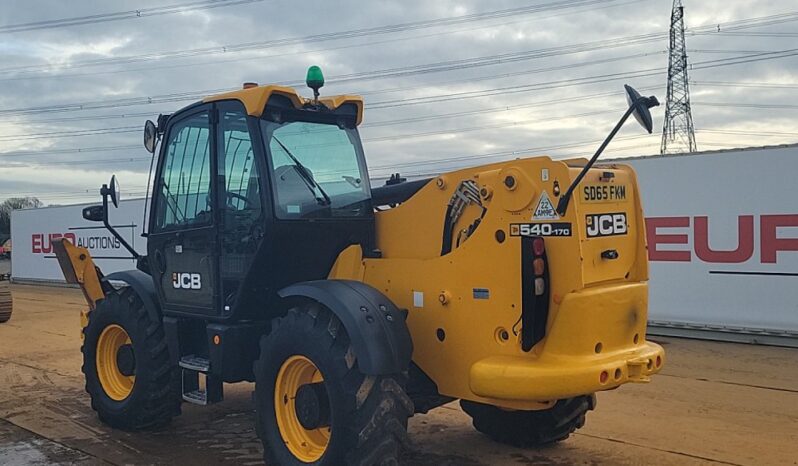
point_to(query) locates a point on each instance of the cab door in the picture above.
(182, 244)
(241, 201)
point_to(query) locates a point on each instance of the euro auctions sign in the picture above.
(35, 230)
(693, 232)
(42, 243)
(722, 231)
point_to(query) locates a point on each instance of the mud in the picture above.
(715, 403)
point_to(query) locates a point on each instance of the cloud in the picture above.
(510, 119)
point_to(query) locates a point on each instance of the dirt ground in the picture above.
(714, 403)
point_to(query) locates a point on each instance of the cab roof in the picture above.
(255, 98)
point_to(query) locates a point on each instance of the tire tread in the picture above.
(376, 428)
(530, 428)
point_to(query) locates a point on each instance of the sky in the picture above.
(447, 84)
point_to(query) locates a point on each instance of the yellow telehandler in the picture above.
(519, 287)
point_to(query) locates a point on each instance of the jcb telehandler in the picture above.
(517, 287)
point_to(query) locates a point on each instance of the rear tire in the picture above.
(6, 303)
(530, 428)
(152, 398)
(367, 414)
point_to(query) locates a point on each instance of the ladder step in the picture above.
(195, 363)
(196, 397)
(194, 370)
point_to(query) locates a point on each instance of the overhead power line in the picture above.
(745, 84)
(747, 105)
(121, 15)
(217, 61)
(493, 91)
(411, 70)
(579, 5)
(150, 114)
(324, 37)
(364, 94)
(395, 72)
(73, 133)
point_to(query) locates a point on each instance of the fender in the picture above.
(143, 286)
(376, 327)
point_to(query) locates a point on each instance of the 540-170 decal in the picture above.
(541, 229)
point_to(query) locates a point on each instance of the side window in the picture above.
(184, 198)
(237, 164)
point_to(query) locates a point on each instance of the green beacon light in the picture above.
(315, 81)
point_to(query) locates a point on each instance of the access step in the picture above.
(195, 363)
(198, 385)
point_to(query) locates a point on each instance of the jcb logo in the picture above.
(606, 225)
(187, 281)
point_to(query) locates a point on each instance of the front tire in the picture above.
(129, 377)
(530, 428)
(355, 419)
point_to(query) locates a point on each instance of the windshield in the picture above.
(317, 170)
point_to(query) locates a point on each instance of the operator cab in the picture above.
(251, 197)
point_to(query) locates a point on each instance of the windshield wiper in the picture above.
(305, 174)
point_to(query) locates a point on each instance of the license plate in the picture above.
(604, 193)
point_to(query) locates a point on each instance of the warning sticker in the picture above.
(545, 209)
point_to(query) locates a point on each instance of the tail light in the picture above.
(535, 289)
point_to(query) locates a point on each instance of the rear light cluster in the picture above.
(535, 308)
(539, 265)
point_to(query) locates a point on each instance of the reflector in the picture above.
(538, 247)
(540, 286)
(538, 265)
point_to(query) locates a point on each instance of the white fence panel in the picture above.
(722, 233)
(33, 232)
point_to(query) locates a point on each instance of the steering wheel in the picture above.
(231, 195)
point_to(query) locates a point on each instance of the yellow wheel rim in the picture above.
(306, 445)
(115, 384)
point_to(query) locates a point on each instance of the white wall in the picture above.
(748, 200)
(32, 232)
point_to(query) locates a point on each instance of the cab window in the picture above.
(184, 198)
(317, 170)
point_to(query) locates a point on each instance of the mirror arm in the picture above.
(105, 191)
(562, 205)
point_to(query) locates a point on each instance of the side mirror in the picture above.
(114, 191)
(93, 213)
(150, 136)
(641, 107)
(111, 190)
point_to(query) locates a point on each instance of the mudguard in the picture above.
(376, 327)
(143, 286)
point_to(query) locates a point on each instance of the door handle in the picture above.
(160, 261)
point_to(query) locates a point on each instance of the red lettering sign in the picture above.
(770, 242)
(36, 243)
(41, 244)
(654, 238)
(745, 242)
